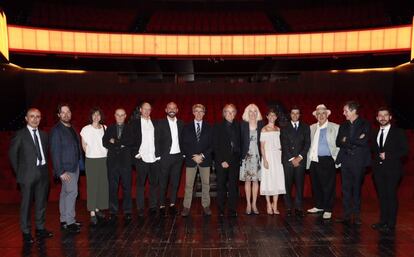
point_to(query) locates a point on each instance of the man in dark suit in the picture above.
(28, 153)
(142, 141)
(354, 157)
(197, 148)
(227, 148)
(119, 165)
(65, 149)
(295, 142)
(168, 141)
(389, 145)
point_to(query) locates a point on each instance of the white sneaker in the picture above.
(315, 210)
(327, 215)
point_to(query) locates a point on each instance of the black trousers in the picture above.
(228, 181)
(147, 170)
(294, 175)
(170, 173)
(115, 173)
(352, 179)
(387, 181)
(323, 176)
(35, 186)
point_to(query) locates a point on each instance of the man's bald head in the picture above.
(33, 117)
(120, 116)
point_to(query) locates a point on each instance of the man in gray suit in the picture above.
(28, 156)
(321, 161)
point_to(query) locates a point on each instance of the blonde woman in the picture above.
(250, 148)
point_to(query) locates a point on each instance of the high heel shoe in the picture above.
(275, 211)
(248, 210)
(269, 209)
(255, 211)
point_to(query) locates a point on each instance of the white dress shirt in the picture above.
(195, 125)
(147, 148)
(297, 127)
(175, 145)
(386, 130)
(40, 144)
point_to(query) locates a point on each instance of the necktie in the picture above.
(198, 132)
(38, 152)
(296, 126)
(381, 141)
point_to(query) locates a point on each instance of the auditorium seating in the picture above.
(81, 105)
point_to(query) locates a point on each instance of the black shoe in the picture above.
(387, 229)
(221, 213)
(43, 233)
(232, 214)
(72, 228)
(162, 212)
(346, 221)
(100, 215)
(172, 210)
(63, 225)
(128, 217)
(140, 213)
(27, 238)
(357, 221)
(94, 220)
(378, 226)
(152, 211)
(288, 213)
(299, 213)
(112, 218)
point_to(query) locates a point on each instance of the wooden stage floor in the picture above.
(261, 235)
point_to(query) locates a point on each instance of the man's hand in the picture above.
(382, 156)
(225, 165)
(112, 141)
(65, 177)
(198, 158)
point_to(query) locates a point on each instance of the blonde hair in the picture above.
(245, 115)
(199, 106)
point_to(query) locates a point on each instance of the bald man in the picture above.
(119, 165)
(28, 156)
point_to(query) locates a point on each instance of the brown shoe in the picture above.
(185, 212)
(207, 211)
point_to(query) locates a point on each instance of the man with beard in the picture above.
(389, 145)
(66, 154)
(168, 141)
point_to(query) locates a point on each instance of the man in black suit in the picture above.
(354, 157)
(168, 140)
(295, 142)
(389, 145)
(142, 141)
(197, 148)
(227, 148)
(28, 153)
(119, 165)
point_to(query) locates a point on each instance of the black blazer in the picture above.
(395, 147)
(294, 142)
(354, 150)
(245, 137)
(190, 146)
(163, 138)
(23, 156)
(222, 143)
(133, 138)
(66, 153)
(119, 153)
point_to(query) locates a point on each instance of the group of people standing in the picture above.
(269, 159)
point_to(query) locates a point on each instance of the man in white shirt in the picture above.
(167, 147)
(147, 164)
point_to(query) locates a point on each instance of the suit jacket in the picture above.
(222, 143)
(23, 156)
(331, 134)
(66, 153)
(354, 150)
(119, 154)
(163, 139)
(294, 142)
(245, 137)
(190, 146)
(395, 147)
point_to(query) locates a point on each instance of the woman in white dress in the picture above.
(273, 178)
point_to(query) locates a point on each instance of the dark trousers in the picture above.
(116, 172)
(387, 181)
(294, 175)
(147, 170)
(170, 173)
(352, 179)
(35, 186)
(323, 176)
(228, 181)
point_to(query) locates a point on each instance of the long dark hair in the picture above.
(94, 110)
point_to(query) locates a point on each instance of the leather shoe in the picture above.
(378, 226)
(140, 212)
(43, 233)
(128, 216)
(185, 212)
(206, 211)
(162, 212)
(386, 229)
(172, 210)
(300, 213)
(72, 228)
(27, 238)
(288, 213)
(357, 221)
(345, 221)
(232, 214)
(112, 218)
(63, 225)
(152, 211)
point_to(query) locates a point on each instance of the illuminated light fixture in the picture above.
(55, 70)
(4, 41)
(364, 70)
(379, 40)
(412, 41)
